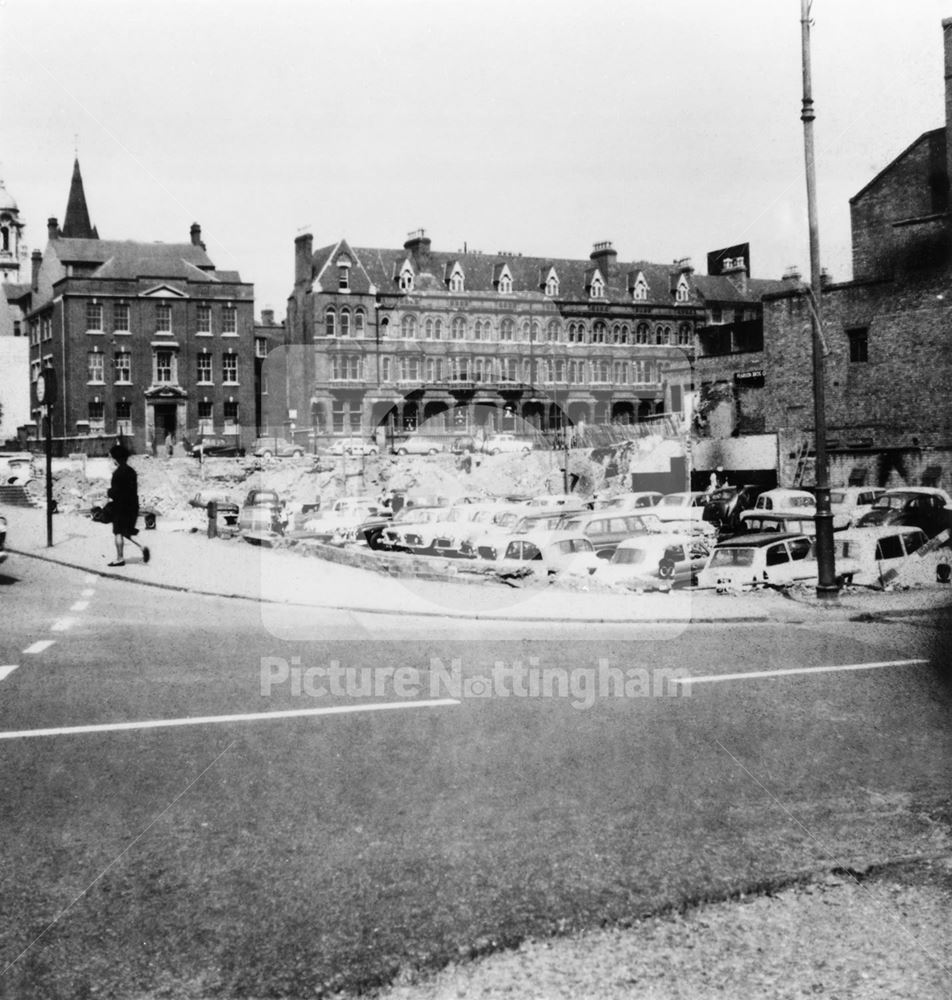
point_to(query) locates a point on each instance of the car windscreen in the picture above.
(628, 557)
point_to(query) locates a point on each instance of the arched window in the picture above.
(437, 329)
(359, 322)
(641, 333)
(598, 332)
(684, 335)
(408, 326)
(385, 326)
(459, 328)
(552, 331)
(625, 334)
(330, 322)
(428, 328)
(345, 322)
(506, 330)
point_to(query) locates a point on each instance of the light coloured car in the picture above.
(785, 501)
(262, 513)
(656, 561)
(414, 529)
(850, 503)
(505, 443)
(606, 529)
(629, 501)
(686, 506)
(416, 444)
(765, 559)
(547, 501)
(340, 521)
(549, 553)
(877, 550)
(353, 446)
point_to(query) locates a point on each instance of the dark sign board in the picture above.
(754, 375)
(716, 258)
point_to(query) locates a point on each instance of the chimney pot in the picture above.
(196, 234)
(267, 317)
(52, 228)
(37, 260)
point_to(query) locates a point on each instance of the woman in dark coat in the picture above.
(124, 494)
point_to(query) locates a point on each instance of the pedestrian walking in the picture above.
(124, 494)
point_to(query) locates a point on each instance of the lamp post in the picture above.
(826, 575)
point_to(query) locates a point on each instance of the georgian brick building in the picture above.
(151, 342)
(399, 338)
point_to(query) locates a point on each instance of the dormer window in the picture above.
(596, 289)
(504, 280)
(639, 291)
(456, 282)
(343, 274)
(683, 291)
(406, 277)
(552, 284)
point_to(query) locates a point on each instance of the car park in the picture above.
(505, 443)
(850, 503)
(724, 506)
(766, 558)
(877, 551)
(685, 506)
(416, 444)
(785, 501)
(754, 521)
(275, 447)
(916, 506)
(629, 501)
(605, 530)
(659, 560)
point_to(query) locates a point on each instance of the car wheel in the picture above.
(666, 569)
(432, 451)
(267, 454)
(401, 451)
(494, 451)
(525, 451)
(373, 451)
(150, 521)
(297, 453)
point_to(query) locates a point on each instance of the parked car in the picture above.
(275, 447)
(415, 444)
(681, 506)
(407, 531)
(877, 550)
(785, 501)
(662, 560)
(916, 506)
(561, 501)
(549, 553)
(606, 530)
(629, 501)
(262, 511)
(850, 503)
(767, 558)
(213, 447)
(755, 521)
(16, 467)
(505, 442)
(725, 506)
(353, 446)
(343, 520)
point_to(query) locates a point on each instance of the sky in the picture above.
(669, 127)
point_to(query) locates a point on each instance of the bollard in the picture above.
(212, 518)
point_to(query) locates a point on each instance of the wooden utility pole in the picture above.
(826, 578)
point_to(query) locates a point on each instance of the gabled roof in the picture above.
(128, 259)
(925, 137)
(719, 288)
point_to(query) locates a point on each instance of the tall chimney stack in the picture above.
(52, 228)
(303, 252)
(36, 260)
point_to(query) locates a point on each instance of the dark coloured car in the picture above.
(606, 530)
(725, 506)
(215, 447)
(915, 506)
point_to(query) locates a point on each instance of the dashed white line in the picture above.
(113, 727)
(6, 671)
(62, 625)
(760, 674)
(38, 647)
(80, 606)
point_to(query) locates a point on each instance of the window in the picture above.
(229, 368)
(406, 278)
(387, 370)
(206, 423)
(456, 279)
(552, 331)
(204, 368)
(97, 417)
(93, 317)
(229, 321)
(683, 292)
(95, 367)
(800, 548)
(597, 288)
(552, 286)
(507, 330)
(164, 366)
(204, 319)
(163, 318)
(346, 368)
(408, 327)
(122, 366)
(231, 416)
(859, 344)
(598, 332)
(120, 317)
(458, 329)
(504, 284)
(261, 347)
(330, 322)
(343, 276)
(777, 554)
(684, 335)
(345, 322)
(639, 291)
(124, 417)
(360, 322)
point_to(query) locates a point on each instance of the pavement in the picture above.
(190, 561)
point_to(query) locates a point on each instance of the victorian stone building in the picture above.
(151, 342)
(413, 337)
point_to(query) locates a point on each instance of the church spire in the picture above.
(76, 225)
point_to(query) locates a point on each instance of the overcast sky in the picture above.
(670, 127)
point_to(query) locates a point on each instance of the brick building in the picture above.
(150, 341)
(889, 368)
(399, 338)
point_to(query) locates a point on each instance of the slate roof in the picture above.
(379, 267)
(129, 259)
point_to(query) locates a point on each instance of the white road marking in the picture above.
(88, 592)
(80, 606)
(38, 647)
(89, 578)
(6, 671)
(113, 727)
(759, 674)
(62, 625)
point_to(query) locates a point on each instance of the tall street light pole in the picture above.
(826, 576)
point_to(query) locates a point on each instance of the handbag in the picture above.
(104, 514)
